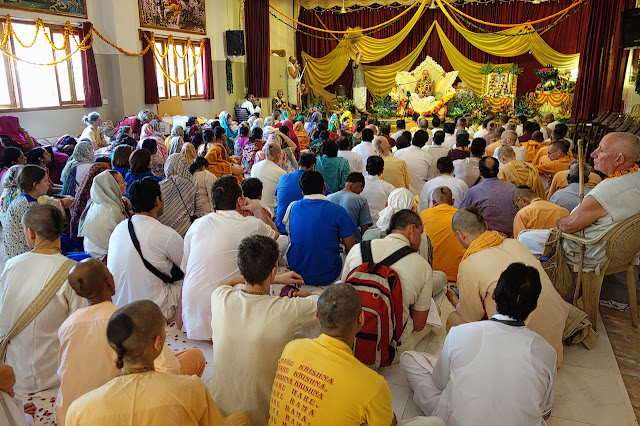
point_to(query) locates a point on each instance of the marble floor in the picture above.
(590, 389)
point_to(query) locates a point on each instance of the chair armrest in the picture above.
(585, 241)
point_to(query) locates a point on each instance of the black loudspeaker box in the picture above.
(234, 43)
(630, 28)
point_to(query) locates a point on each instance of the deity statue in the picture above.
(425, 85)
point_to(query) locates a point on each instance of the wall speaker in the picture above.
(630, 29)
(234, 43)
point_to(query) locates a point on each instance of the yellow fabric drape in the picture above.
(554, 99)
(324, 71)
(381, 79)
(502, 44)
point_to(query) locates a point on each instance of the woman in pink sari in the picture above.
(10, 127)
(148, 132)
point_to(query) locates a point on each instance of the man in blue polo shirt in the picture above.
(288, 189)
(316, 227)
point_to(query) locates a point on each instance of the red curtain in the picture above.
(602, 61)
(564, 37)
(256, 19)
(207, 69)
(92, 95)
(149, 72)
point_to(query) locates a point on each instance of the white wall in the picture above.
(121, 77)
(629, 95)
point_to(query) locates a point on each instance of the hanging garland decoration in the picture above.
(535, 30)
(87, 43)
(298, 30)
(229, 76)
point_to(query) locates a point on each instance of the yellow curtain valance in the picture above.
(326, 70)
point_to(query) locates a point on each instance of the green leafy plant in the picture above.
(384, 106)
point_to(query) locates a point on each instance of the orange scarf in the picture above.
(217, 165)
(486, 240)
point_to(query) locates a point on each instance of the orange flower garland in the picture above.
(624, 172)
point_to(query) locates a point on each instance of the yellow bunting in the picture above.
(171, 79)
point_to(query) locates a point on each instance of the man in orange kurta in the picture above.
(518, 172)
(488, 254)
(560, 180)
(555, 161)
(447, 250)
(534, 145)
(534, 212)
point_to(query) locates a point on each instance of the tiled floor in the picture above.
(589, 388)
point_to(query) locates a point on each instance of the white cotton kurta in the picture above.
(481, 374)
(376, 191)
(292, 84)
(457, 186)
(162, 247)
(244, 368)
(210, 257)
(87, 361)
(420, 165)
(269, 174)
(33, 353)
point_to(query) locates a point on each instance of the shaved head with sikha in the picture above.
(524, 192)
(442, 195)
(132, 332)
(92, 280)
(339, 308)
(468, 224)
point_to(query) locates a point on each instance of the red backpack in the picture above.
(381, 294)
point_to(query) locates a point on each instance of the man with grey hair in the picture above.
(569, 197)
(510, 138)
(269, 173)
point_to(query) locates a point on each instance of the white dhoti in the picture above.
(292, 90)
(426, 394)
(360, 98)
(535, 240)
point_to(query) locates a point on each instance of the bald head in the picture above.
(627, 143)
(339, 307)
(508, 137)
(91, 279)
(442, 195)
(507, 152)
(133, 329)
(469, 220)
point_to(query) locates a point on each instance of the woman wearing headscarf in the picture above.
(268, 128)
(219, 167)
(254, 144)
(292, 134)
(180, 195)
(104, 212)
(334, 124)
(10, 128)
(10, 189)
(77, 167)
(399, 199)
(301, 135)
(204, 179)
(189, 152)
(257, 123)
(83, 195)
(312, 124)
(93, 131)
(230, 131)
(176, 140)
(148, 132)
(347, 121)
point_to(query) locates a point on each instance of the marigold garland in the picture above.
(625, 172)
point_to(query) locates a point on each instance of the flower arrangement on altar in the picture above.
(464, 103)
(526, 105)
(384, 106)
(553, 80)
(317, 105)
(344, 104)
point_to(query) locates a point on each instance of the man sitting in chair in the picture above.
(425, 85)
(613, 200)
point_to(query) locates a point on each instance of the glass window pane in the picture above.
(191, 85)
(63, 69)
(162, 92)
(171, 71)
(198, 77)
(78, 79)
(5, 99)
(37, 83)
(181, 65)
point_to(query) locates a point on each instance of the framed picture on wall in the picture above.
(635, 57)
(176, 15)
(76, 8)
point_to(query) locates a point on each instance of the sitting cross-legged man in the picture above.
(487, 361)
(140, 395)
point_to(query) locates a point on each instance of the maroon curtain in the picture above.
(564, 37)
(207, 69)
(256, 21)
(92, 95)
(602, 61)
(149, 72)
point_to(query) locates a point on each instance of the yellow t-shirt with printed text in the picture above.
(320, 382)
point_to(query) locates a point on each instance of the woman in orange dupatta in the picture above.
(301, 133)
(219, 167)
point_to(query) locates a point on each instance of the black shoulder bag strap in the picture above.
(147, 265)
(192, 217)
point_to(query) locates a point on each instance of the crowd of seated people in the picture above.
(255, 229)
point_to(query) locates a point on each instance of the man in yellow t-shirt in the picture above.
(320, 382)
(447, 250)
(395, 169)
